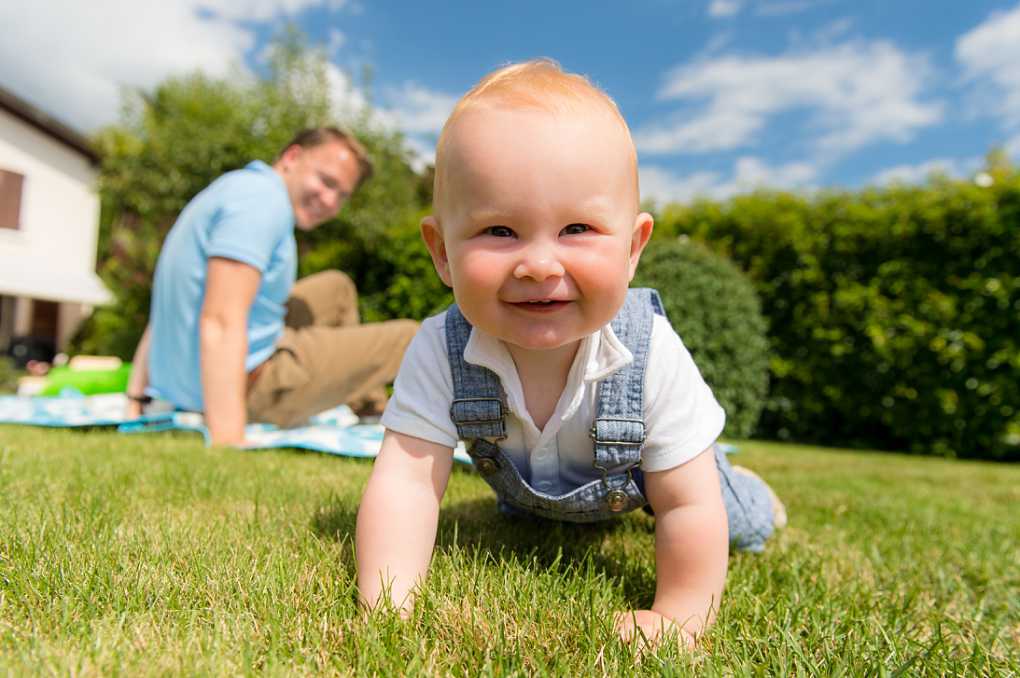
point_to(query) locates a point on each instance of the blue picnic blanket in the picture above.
(336, 431)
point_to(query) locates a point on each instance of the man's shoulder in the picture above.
(255, 181)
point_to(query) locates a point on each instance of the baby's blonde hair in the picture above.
(540, 84)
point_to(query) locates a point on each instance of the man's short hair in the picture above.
(317, 136)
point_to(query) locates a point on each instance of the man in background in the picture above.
(230, 334)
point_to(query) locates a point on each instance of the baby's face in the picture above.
(539, 235)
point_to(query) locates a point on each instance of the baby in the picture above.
(576, 399)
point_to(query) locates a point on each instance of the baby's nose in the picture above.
(539, 266)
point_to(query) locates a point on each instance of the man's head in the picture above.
(321, 168)
(536, 223)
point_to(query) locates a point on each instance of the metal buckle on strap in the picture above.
(494, 416)
(593, 432)
(498, 414)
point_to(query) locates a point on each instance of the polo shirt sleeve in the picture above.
(423, 389)
(682, 417)
(254, 215)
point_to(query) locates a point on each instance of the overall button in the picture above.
(543, 485)
(617, 500)
(486, 466)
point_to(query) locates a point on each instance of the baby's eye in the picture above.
(574, 229)
(499, 231)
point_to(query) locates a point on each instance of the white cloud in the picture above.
(724, 8)
(990, 54)
(749, 173)
(262, 10)
(752, 173)
(348, 100)
(856, 93)
(420, 113)
(423, 152)
(663, 186)
(784, 7)
(417, 109)
(916, 174)
(71, 58)
(721, 9)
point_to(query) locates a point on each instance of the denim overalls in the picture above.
(618, 432)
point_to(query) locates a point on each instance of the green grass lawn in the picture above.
(153, 555)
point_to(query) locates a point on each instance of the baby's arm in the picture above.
(691, 550)
(398, 518)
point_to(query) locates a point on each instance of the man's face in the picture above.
(319, 180)
(540, 235)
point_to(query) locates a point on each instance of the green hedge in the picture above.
(715, 310)
(894, 313)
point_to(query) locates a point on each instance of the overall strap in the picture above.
(477, 408)
(619, 428)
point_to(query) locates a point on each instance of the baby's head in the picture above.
(536, 223)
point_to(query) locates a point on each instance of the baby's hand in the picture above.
(648, 628)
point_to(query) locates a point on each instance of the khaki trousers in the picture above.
(326, 357)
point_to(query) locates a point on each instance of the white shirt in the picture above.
(682, 417)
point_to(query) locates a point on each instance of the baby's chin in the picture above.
(540, 341)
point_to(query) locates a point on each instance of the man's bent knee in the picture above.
(332, 282)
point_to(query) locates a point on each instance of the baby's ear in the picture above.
(639, 238)
(433, 237)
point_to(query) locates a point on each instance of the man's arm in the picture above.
(691, 551)
(230, 289)
(398, 518)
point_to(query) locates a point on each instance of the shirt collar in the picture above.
(601, 353)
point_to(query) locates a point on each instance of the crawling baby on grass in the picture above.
(576, 399)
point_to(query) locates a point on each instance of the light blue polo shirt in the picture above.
(244, 215)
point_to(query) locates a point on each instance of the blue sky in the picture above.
(722, 95)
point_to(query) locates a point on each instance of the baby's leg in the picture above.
(753, 510)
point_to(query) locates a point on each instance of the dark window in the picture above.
(10, 199)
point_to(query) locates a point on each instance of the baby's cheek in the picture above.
(480, 268)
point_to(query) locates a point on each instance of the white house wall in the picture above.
(55, 246)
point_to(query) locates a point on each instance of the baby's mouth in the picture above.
(540, 305)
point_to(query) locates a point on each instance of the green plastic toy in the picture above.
(86, 382)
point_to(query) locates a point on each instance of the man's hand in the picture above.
(648, 628)
(133, 409)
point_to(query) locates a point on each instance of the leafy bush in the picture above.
(8, 375)
(894, 313)
(715, 310)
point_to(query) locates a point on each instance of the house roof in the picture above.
(46, 123)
